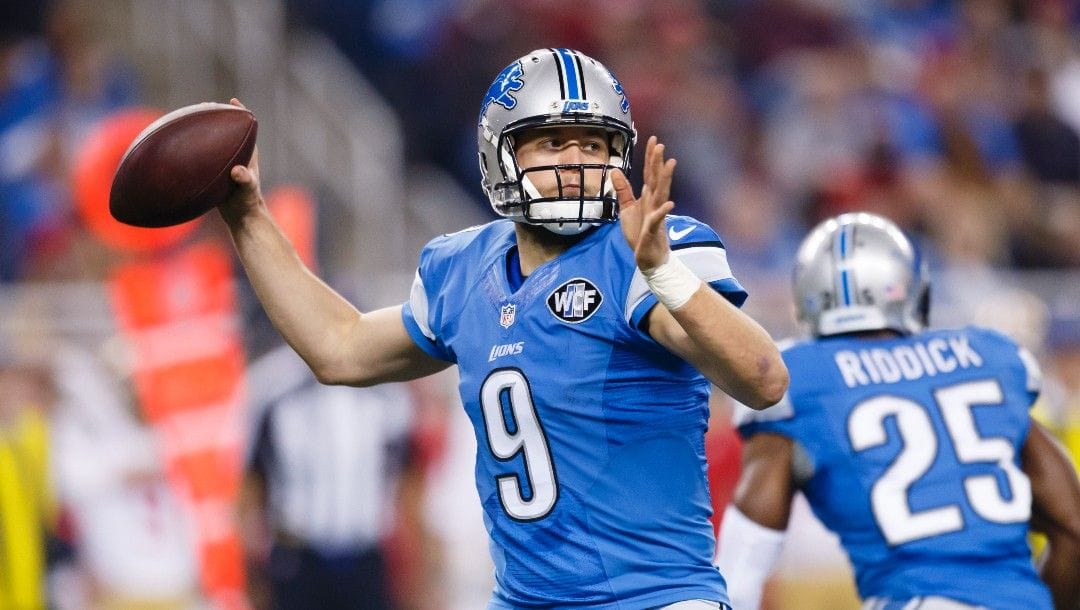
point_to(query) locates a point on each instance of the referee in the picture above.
(320, 486)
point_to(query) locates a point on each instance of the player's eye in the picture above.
(594, 146)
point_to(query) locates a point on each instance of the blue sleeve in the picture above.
(425, 312)
(429, 346)
(729, 288)
(777, 419)
(1024, 366)
(781, 418)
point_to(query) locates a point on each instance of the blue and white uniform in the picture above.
(908, 449)
(590, 460)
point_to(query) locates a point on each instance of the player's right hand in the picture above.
(247, 197)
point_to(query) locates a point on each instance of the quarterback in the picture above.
(587, 325)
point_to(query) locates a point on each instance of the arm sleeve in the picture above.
(777, 419)
(416, 314)
(746, 555)
(434, 293)
(1032, 373)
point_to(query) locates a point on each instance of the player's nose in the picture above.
(571, 153)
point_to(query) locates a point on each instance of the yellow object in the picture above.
(1070, 436)
(812, 591)
(25, 509)
(1066, 428)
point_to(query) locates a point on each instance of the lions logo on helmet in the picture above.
(499, 92)
(859, 272)
(552, 87)
(617, 86)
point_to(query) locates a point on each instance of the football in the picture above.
(179, 166)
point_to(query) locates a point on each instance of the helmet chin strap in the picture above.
(550, 210)
(559, 209)
(564, 209)
(569, 228)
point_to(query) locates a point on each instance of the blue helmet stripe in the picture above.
(845, 280)
(570, 72)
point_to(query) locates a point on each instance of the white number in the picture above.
(982, 490)
(521, 435)
(889, 494)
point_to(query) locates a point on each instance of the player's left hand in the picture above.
(642, 217)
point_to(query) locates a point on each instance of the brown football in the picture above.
(179, 167)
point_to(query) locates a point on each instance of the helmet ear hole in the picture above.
(923, 309)
(483, 166)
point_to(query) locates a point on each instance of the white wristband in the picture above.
(673, 283)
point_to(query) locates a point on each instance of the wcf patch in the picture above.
(575, 301)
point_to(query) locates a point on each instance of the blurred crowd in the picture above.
(957, 119)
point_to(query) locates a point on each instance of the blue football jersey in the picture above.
(590, 436)
(908, 449)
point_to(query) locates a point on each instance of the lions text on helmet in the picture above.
(586, 110)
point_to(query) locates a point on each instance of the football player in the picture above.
(587, 324)
(914, 446)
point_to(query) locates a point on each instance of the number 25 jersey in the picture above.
(590, 454)
(908, 448)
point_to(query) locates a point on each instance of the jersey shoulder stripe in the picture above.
(698, 246)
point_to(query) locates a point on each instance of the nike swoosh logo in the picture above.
(677, 235)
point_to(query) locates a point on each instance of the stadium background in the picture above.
(957, 119)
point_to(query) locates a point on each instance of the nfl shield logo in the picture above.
(506, 317)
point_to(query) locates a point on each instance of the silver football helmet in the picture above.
(551, 87)
(859, 272)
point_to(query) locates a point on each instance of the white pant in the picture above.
(694, 604)
(930, 602)
(690, 604)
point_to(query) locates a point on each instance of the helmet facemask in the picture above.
(571, 209)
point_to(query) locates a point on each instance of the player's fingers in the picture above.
(623, 190)
(237, 103)
(648, 170)
(242, 175)
(654, 220)
(648, 154)
(650, 197)
(646, 197)
(656, 169)
(663, 183)
(665, 209)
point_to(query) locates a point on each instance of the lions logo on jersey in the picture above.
(575, 301)
(499, 91)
